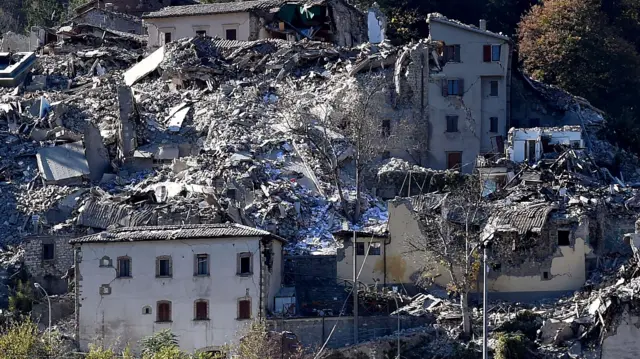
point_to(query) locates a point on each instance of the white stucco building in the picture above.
(324, 20)
(528, 144)
(204, 282)
(468, 99)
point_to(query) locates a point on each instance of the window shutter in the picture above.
(456, 54)
(447, 54)
(445, 88)
(460, 87)
(195, 264)
(486, 53)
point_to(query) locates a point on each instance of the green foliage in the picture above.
(168, 352)
(513, 346)
(44, 13)
(98, 352)
(525, 322)
(157, 342)
(21, 301)
(20, 340)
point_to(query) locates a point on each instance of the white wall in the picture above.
(186, 26)
(518, 138)
(474, 108)
(119, 317)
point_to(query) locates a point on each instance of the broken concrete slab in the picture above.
(96, 153)
(64, 164)
(177, 116)
(144, 67)
(14, 67)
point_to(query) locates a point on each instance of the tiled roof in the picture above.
(174, 232)
(217, 8)
(523, 219)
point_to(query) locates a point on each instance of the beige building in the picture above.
(326, 20)
(538, 250)
(203, 282)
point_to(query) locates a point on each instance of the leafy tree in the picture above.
(22, 301)
(45, 13)
(157, 342)
(20, 340)
(504, 15)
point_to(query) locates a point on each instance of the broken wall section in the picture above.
(48, 259)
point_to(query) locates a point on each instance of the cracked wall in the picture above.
(117, 318)
(49, 272)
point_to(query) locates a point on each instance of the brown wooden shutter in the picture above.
(445, 88)
(486, 53)
(244, 310)
(456, 55)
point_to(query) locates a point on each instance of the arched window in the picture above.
(146, 310)
(105, 262)
(164, 311)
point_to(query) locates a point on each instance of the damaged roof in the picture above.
(522, 219)
(175, 232)
(222, 8)
(444, 20)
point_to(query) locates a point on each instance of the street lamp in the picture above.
(38, 286)
(485, 323)
(395, 290)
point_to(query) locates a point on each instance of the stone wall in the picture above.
(49, 272)
(111, 20)
(312, 332)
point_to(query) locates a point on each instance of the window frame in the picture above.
(44, 252)
(159, 260)
(196, 269)
(128, 259)
(109, 262)
(493, 121)
(497, 88)
(493, 53)
(159, 312)
(195, 309)
(385, 128)
(451, 53)
(452, 87)
(226, 33)
(241, 256)
(459, 165)
(568, 238)
(164, 37)
(201, 33)
(375, 247)
(144, 309)
(244, 299)
(454, 124)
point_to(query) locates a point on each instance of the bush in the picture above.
(155, 343)
(20, 340)
(97, 352)
(21, 301)
(525, 322)
(513, 346)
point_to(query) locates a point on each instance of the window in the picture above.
(105, 289)
(545, 275)
(164, 311)
(244, 309)
(146, 310)
(452, 123)
(231, 34)
(202, 264)
(163, 266)
(564, 238)
(374, 250)
(201, 33)
(491, 53)
(454, 160)
(386, 128)
(244, 264)
(359, 248)
(452, 53)
(167, 37)
(534, 122)
(201, 310)
(453, 87)
(493, 124)
(494, 88)
(124, 267)
(105, 262)
(47, 251)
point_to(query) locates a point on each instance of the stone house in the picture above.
(327, 20)
(108, 19)
(204, 282)
(131, 7)
(48, 259)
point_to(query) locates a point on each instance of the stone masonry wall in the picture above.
(49, 272)
(112, 21)
(312, 332)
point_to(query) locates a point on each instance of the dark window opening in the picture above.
(146, 310)
(167, 37)
(564, 238)
(453, 87)
(202, 264)
(244, 264)
(47, 251)
(452, 123)
(374, 249)
(545, 275)
(231, 34)
(451, 53)
(494, 88)
(244, 309)
(124, 267)
(164, 312)
(201, 33)
(386, 128)
(493, 124)
(202, 310)
(359, 248)
(496, 267)
(164, 267)
(454, 160)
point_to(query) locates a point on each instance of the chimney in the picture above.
(483, 24)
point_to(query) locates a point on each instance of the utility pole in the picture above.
(354, 291)
(485, 330)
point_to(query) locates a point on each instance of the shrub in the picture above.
(20, 340)
(526, 322)
(513, 346)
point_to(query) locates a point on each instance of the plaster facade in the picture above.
(112, 310)
(110, 20)
(623, 342)
(479, 98)
(527, 143)
(215, 25)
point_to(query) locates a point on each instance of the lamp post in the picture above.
(38, 286)
(395, 290)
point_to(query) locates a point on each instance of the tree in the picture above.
(504, 15)
(158, 341)
(450, 240)
(45, 13)
(257, 342)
